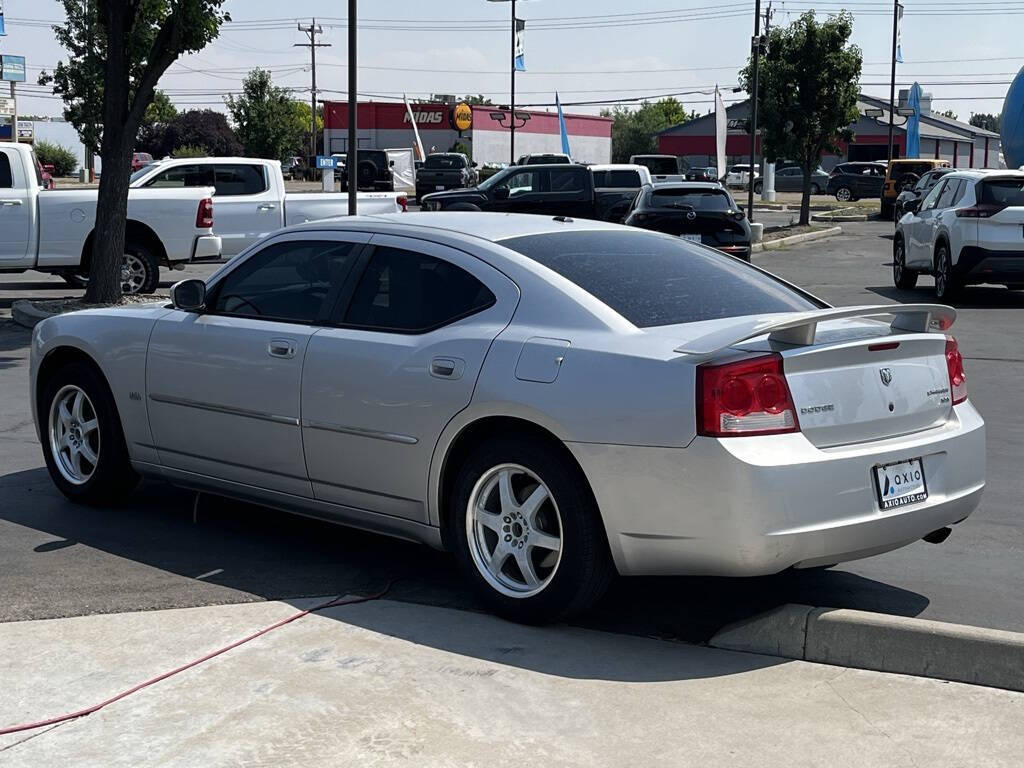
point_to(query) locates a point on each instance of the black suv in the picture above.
(852, 181)
(373, 171)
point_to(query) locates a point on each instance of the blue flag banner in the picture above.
(914, 122)
(561, 127)
(2, 32)
(520, 45)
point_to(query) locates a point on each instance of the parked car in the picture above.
(662, 167)
(140, 160)
(916, 192)
(552, 190)
(620, 176)
(904, 172)
(46, 175)
(553, 401)
(969, 229)
(739, 175)
(445, 170)
(702, 174)
(703, 212)
(852, 181)
(53, 232)
(373, 171)
(544, 158)
(791, 179)
(251, 199)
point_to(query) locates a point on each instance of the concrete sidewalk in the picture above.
(388, 683)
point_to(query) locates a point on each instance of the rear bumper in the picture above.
(756, 506)
(207, 247)
(986, 265)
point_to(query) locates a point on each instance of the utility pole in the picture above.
(353, 101)
(755, 48)
(892, 76)
(312, 30)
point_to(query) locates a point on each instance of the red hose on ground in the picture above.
(182, 668)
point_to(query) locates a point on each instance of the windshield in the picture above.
(652, 279)
(141, 172)
(439, 162)
(660, 165)
(499, 177)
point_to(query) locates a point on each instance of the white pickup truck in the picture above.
(51, 231)
(250, 197)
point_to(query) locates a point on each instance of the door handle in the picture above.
(284, 348)
(10, 202)
(447, 367)
(265, 207)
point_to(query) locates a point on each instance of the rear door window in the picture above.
(233, 180)
(568, 179)
(653, 279)
(623, 179)
(6, 177)
(184, 176)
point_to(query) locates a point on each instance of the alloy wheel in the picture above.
(898, 263)
(74, 434)
(942, 274)
(133, 274)
(843, 195)
(514, 531)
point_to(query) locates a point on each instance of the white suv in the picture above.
(968, 229)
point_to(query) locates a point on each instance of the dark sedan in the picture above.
(699, 211)
(852, 181)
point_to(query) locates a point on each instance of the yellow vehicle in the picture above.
(896, 176)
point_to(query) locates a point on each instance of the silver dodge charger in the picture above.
(552, 400)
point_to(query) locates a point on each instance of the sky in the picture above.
(587, 50)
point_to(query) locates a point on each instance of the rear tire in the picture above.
(88, 425)
(140, 270)
(903, 278)
(844, 195)
(946, 284)
(561, 542)
(815, 189)
(758, 187)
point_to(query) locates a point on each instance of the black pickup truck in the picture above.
(549, 190)
(445, 170)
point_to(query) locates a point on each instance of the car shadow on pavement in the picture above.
(972, 297)
(161, 549)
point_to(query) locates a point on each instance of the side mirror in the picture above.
(189, 295)
(501, 193)
(391, 163)
(913, 206)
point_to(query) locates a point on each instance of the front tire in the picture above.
(83, 443)
(527, 533)
(903, 278)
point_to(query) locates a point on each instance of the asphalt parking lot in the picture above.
(167, 549)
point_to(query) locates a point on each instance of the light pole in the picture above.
(353, 149)
(512, 89)
(755, 48)
(892, 77)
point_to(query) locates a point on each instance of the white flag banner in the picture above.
(899, 34)
(721, 132)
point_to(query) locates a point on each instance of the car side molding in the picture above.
(799, 328)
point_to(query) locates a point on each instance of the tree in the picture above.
(301, 145)
(633, 131)
(117, 52)
(809, 85)
(985, 121)
(161, 111)
(154, 123)
(950, 114)
(60, 157)
(266, 120)
(199, 128)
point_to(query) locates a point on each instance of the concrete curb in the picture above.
(840, 214)
(25, 314)
(884, 643)
(803, 237)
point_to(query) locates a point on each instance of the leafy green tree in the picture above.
(117, 52)
(266, 119)
(634, 130)
(161, 110)
(301, 139)
(60, 157)
(463, 148)
(202, 128)
(809, 85)
(985, 121)
(154, 124)
(190, 150)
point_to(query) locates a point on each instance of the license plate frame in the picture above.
(897, 485)
(692, 238)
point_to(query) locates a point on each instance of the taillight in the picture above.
(403, 203)
(980, 211)
(745, 397)
(955, 366)
(204, 216)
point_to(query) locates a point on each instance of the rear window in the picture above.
(698, 199)
(653, 279)
(440, 162)
(1003, 192)
(665, 166)
(630, 179)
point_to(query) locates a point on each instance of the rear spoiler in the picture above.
(798, 328)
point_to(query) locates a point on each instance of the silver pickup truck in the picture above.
(51, 230)
(250, 197)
